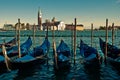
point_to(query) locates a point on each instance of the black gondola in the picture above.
(113, 52)
(63, 56)
(89, 54)
(37, 55)
(10, 43)
(13, 51)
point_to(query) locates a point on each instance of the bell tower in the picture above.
(39, 20)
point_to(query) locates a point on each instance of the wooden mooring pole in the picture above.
(72, 39)
(106, 41)
(53, 31)
(112, 33)
(19, 52)
(16, 38)
(6, 58)
(34, 36)
(55, 55)
(75, 41)
(91, 34)
(47, 43)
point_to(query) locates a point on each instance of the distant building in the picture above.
(59, 25)
(109, 27)
(8, 27)
(56, 25)
(71, 27)
(22, 26)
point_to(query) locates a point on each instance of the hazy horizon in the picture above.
(86, 11)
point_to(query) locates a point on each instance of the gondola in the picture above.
(35, 56)
(10, 43)
(90, 55)
(62, 58)
(113, 52)
(13, 51)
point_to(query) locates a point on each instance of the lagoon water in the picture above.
(76, 72)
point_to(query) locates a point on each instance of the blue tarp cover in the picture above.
(24, 58)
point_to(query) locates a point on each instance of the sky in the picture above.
(85, 11)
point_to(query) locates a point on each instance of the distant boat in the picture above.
(113, 52)
(63, 56)
(37, 55)
(89, 54)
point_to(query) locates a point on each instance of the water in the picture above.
(76, 72)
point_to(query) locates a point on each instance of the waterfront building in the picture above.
(59, 25)
(8, 27)
(22, 26)
(54, 25)
(79, 27)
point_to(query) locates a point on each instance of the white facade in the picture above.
(55, 27)
(58, 26)
(61, 26)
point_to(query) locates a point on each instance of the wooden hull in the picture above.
(23, 65)
(90, 55)
(3, 66)
(62, 66)
(113, 53)
(10, 43)
(13, 51)
(34, 58)
(114, 63)
(95, 63)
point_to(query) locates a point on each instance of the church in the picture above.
(50, 25)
